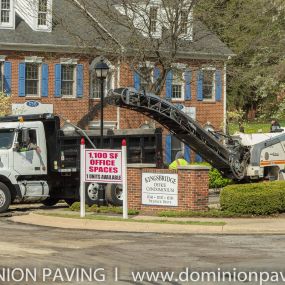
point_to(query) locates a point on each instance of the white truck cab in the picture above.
(23, 161)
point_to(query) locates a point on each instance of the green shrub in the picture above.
(216, 180)
(254, 199)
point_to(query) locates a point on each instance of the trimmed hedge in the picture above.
(263, 198)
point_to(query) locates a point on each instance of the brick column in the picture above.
(194, 183)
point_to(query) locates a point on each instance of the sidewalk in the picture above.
(233, 226)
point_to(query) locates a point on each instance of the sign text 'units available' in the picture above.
(103, 166)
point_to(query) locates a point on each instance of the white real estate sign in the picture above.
(31, 107)
(160, 189)
(103, 166)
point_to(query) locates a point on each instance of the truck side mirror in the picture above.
(25, 137)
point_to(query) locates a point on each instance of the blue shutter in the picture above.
(7, 77)
(168, 149)
(57, 82)
(79, 80)
(187, 154)
(137, 81)
(200, 85)
(156, 73)
(22, 80)
(44, 80)
(187, 78)
(218, 85)
(169, 79)
(198, 158)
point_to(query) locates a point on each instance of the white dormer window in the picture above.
(42, 13)
(6, 14)
(184, 22)
(5, 11)
(36, 13)
(153, 13)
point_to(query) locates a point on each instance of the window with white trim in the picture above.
(32, 79)
(5, 15)
(176, 146)
(42, 12)
(109, 82)
(153, 13)
(96, 84)
(68, 80)
(146, 78)
(208, 84)
(178, 85)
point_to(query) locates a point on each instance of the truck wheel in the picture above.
(49, 202)
(114, 194)
(91, 193)
(5, 197)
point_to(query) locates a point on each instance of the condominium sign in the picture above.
(103, 166)
(160, 189)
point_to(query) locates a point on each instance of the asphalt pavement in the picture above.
(27, 246)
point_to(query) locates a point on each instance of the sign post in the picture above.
(124, 176)
(106, 166)
(82, 178)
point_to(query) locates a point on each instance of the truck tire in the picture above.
(49, 202)
(114, 194)
(5, 197)
(91, 193)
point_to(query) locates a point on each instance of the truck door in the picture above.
(28, 159)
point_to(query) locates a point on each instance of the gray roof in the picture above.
(74, 32)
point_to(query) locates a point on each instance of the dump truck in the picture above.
(40, 160)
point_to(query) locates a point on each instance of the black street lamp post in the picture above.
(101, 70)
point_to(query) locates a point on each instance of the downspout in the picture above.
(225, 97)
(118, 86)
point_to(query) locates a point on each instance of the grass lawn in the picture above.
(118, 219)
(253, 127)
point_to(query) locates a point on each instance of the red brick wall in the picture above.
(205, 111)
(192, 189)
(70, 108)
(75, 109)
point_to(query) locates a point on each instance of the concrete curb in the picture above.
(233, 226)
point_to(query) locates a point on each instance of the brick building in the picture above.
(41, 59)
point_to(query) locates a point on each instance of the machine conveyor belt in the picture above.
(176, 121)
